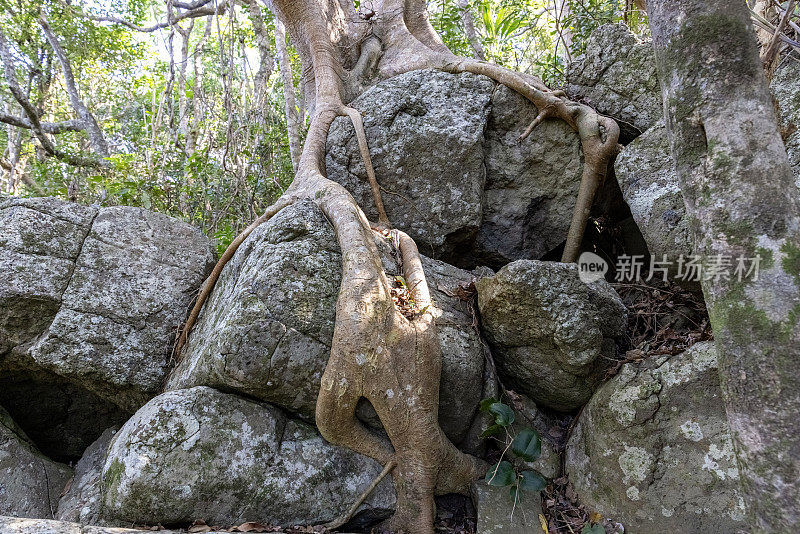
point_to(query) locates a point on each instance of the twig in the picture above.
(345, 517)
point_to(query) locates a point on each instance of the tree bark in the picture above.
(740, 194)
(289, 98)
(469, 30)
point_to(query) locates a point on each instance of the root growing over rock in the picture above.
(378, 353)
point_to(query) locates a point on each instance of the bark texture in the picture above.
(739, 191)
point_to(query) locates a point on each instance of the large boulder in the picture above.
(82, 498)
(201, 454)
(652, 449)
(90, 300)
(30, 483)
(645, 171)
(454, 175)
(267, 327)
(617, 76)
(553, 336)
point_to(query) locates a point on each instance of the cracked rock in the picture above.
(454, 175)
(652, 449)
(90, 300)
(553, 336)
(30, 483)
(617, 76)
(201, 454)
(267, 327)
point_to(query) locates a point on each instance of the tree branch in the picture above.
(49, 127)
(32, 114)
(96, 137)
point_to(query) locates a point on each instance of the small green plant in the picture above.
(597, 528)
(524, 445)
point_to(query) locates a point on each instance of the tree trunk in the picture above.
(289, 98)
(742, 200)
(469, 30)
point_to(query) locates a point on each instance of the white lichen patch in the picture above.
(632, 493)
(635, 463)
(691, 430)
(720, 460)
(667, 512)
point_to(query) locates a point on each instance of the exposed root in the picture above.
(598, 135)
(345, 517)
(208, 285)
(361, 136)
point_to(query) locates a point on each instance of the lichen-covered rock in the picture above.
(90, 300)
(454, 175)
(30, 483)
(201, 454)
(617, 76)
(267, 327)
(652, 448)
(531, 186)
(17, 525)
(645, 171)
(82, 501)
(496, 512)
(553, 336)
(785, 86)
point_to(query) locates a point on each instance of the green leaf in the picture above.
(494, 430)
(503, 415)
(501, 475)
(487, 403)
(532, 481)
(593, 529)
(527, 445)
(514, 492)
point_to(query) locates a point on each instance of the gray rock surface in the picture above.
(267, 327)
(617, 76)
(652, 448)
(30, 483)
(16, 525)
(646, 174)
(89, 302)
(493, 507)
(552, 336)
(785, 86)
(455, 177)
(201, 454)
(82, 500)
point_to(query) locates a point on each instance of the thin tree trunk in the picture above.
(740, 194)
(469, 30)
(290, 100)
(96, 137)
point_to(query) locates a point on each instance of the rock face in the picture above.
(493, 506)
(30, 483)
(89, 302)
(617, 75)
(652, 449)
(82, 502)
(785, 86)
(552, 335)
(646, 174)
(201, 454)
(266, 330)
(455, 177)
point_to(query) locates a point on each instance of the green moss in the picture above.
(113, 476)
(791, 259)
(767, 260)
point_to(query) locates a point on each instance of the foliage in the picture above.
(525, 445)
(193, 137)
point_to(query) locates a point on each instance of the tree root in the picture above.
(345, 517)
